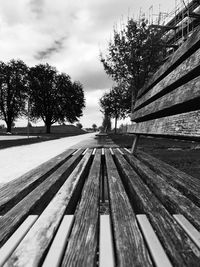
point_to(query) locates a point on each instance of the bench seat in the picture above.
(58, 221)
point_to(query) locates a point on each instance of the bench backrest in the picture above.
(169, 104)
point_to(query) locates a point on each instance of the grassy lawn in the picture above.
(184, 155)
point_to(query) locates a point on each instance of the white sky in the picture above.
(68, 34)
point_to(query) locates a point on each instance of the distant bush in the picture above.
(79, 125)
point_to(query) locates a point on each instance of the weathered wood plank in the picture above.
(13, 218)
(31, 250)
(173, 200)
(184, 125)
(158, 254)
(189, 228)
(190, 186)
(56, 251)
(82, 247)
(178, 246)
(85, 151)
(183, 52)
(177, 77)
(106, 249)
(12, 192)
(129, 243)
(185, 97)
(16, 238)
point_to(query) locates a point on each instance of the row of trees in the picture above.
(133, 55)
(115, 104)
(39, 92)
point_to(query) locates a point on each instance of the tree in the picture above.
(94, 127)
(29, 124)
(134, 54)
(79, 125)
(116, 103)
(106, 125)
(13, 91)
(53, 96)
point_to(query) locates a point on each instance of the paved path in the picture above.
(96, 141)
(16, 161)
(14, 137)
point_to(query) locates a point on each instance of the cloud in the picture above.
(36, 7)
(56, 47)
(93, 79)
(68, 35)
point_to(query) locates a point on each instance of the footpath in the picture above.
(16, 161)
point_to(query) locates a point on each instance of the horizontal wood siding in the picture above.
(180, 100)
(181, 54)
(187, 70)
(185, 125)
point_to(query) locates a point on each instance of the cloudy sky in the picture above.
(68, 34)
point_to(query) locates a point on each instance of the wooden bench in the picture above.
(52, 216)
(168, 105)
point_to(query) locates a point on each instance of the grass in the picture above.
(184, 155)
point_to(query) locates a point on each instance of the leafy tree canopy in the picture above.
(53, 96)
(106, 125)
(94, 127)
(117, 103)
(79, 125)
(13, 91)
(134, 54)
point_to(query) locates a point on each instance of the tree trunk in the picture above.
(48, 128)
(9, 126)
(115, 125)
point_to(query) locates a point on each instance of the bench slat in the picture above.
(190, 186)
(13, 218)
(82, 247)
(12, 192)
(55, 253)
(183, 52)
(181, 99)
(189, 228)
(173, 79)
(16, 238)
(106, 250)
(85, 151)
(170, 197)
(158, 254)
(183, 125)
(31, 250)
(179, 248)
(129, 243)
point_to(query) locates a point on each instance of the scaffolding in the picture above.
(178, 24)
